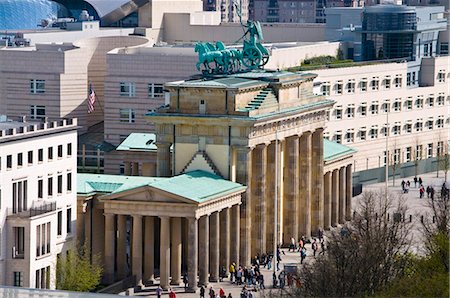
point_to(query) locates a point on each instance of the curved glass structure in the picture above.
(26, 14)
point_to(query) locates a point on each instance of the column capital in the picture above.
(262, 146)
(163, 144)
(108, 215)
(137, 216)
(306, 133)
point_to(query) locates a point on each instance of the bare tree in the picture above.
(394, 160)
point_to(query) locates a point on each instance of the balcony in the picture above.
(38, 208)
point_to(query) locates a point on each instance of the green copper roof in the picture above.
(225, 82)
(138, 142)
(333, 150)
(198, 186)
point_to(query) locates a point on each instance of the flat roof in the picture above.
(138, 142)
(333, 150)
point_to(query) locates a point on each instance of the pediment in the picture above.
(148, 194)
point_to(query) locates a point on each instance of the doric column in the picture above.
(341, 195)
(235, 223)
(225, 238)
(81, 221)
(135, 169)
(149, 248)
(349, 192)
(127, 171)
(305, 184)
(243, 165)
(203, 250)
(327, 201)
(270, 194)
(109, 248)
(259, 199)
(122, 266)
(317, 180)
(137, 248)
(291, 189)
(214, 252)
(163, 159)
(192, 260)
(175, 261)
(334, 198)
(164, 264)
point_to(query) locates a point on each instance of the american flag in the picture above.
(91, 99)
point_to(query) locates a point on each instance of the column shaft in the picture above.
(291, 189)
(203, 250)
(327, 201)
(225, 238)
(317, 188)
(234, 244)
(270, 194)
(137, 248)
(135, 169)
(122, 266)
(192, 261)
(259, 199)
(305, 184)
(341, 195)
(149, 248)
(175, 261)
(335, 198)
(349, 192)
(109, 249)
(214, 252)
(164, 264)
(163, 159)
(127, 171)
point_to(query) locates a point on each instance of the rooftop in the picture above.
(138, 142)
(333, 150)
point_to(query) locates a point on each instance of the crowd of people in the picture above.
(429, 190)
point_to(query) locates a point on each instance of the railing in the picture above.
(35, 210)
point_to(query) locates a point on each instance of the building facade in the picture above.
(38, 199)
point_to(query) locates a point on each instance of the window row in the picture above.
(375, 107)
(412, 153)
(68, 222)
(128, 89)
(43, 236)
(31, 156)
(350, 86)
(59, 185)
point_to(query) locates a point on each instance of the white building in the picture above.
(37, 199)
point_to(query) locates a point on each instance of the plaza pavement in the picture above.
(416, 208)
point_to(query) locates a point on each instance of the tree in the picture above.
(75, 272)
(362, 257)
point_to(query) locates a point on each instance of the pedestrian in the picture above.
(222, 274)
(314, 247)
(239, 276)
(172, 294)
(403, 185)
(232, 272)
(428, 191)
(159, 291)
(320, 234)
(415, 181)
(229, 295)
(185, 281)
(420, 180)
(302, 255)
(261, 281)
(292, 245)
(274, 280)
(212, 294)
(222, 293)
(269, 262)
(202, 292)
(281, 278)
(322, 247)
(432, 192)
(408, 184)
(421, 191)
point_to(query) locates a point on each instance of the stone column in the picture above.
(81, 222)
(109, 248)
(259, 202)
(225, 238)
(122, 266)
(214, 252)
(164, 264)
(291, 189)
(192, 260)
(234, 244)
(135, 169)
(149, 249)
(203, 250)
(163, 159)
(137, 248)
(270, 195)
(175, 260)
(334, 198)
(305, 185)
(349, 193)
(317, 180)
(243, 175)
(127, 171)
(327, 201)
(341, 195)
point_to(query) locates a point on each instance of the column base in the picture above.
(191, 290)
(213, 279)
(175, 282)
(149, 282)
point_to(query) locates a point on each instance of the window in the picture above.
(430, 150)
(50, 153)
(419, 126)
(386, 83)
(50, 186)
(19, 242)
(439, 148)
(69, 149)
(408, 154)
(440, 100)
(397, 105)
(418, 152)
(338, 113)
(362, 135)
(430, 101)
(363, 85)
(37, 86)
(43, 239)
(339, 87)
(60, 151)
(429, 124)
(69, 181)
(444, 48)
(374, 109)
(374, 84)
(440, 123)
(398, 82)
(59, 227)
(351, 86)
(350, 112)
(413, 78)
(155, 90)
(384, 131)
(396, 130)
(127, 115)
(408, 127)
(396, 156)
(325, 88)
(441, 76)
(408, 79)
(385, 157)
(40, 188)
(338, 138)
(69, 220)
(9, 161)
(20, 196)
(408, 104)
(373, 133)
(40, 155)
(385, 107)
(30, 157)
(20, 159)
(349, 136)
(363, 110)
(419, 103)
(18, 279)
(127, 89)
(60, 182)
(37, 112)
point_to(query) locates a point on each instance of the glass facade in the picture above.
(25, 14)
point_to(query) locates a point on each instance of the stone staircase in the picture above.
(266, 98)
(201, 161)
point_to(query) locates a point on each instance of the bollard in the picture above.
(388, 217)
(410, 218)
(434, 219)
(421, 218)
